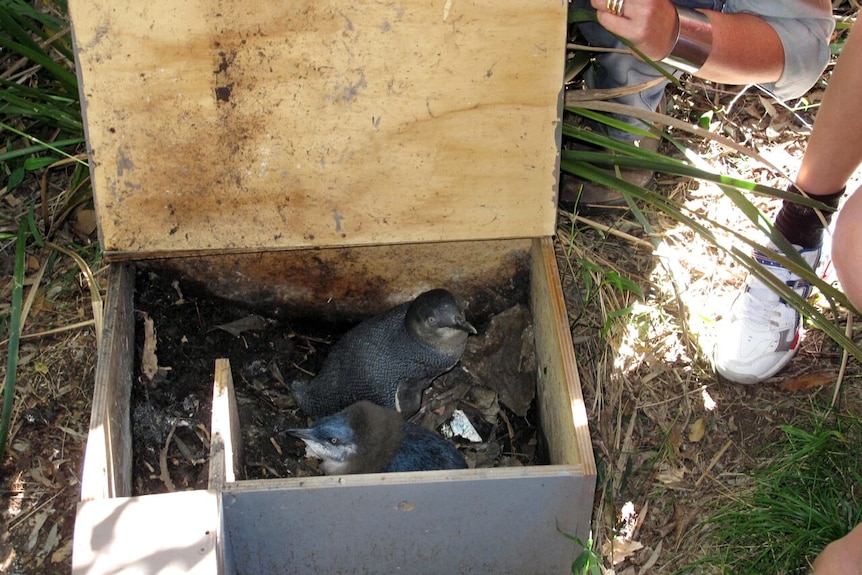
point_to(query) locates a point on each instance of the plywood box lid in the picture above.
(237, 126)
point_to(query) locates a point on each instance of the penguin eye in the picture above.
(333, 440)
(432, 320)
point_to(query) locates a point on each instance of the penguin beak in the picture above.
(465, 325)
(304, 434)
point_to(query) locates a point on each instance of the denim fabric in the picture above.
(717, 5)
(615, 70)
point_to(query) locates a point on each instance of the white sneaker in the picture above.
(761, 333)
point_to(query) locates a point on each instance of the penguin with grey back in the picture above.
(389, 359)
(367, 438)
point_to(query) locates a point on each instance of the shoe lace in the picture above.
(758, 305)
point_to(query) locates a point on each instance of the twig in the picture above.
(31, 295)
(613, 231)
(588, 48)
(848, 331)
(163, 462)
(712, 462)
(61, 329)
(24, 517)
(574, 97)
(54, 331)
(95, 296)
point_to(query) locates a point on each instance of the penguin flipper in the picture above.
(408, 396)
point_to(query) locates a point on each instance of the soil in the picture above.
(171, 411)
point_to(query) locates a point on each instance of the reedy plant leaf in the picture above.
(14, 336)
(20, 22)
(594, 166)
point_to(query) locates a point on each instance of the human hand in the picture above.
(650, 25)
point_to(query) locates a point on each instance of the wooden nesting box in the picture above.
(327, 159)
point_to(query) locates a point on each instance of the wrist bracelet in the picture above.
(693, 41)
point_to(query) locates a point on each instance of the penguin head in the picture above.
(435, 317)
(331, 439)
(362, 438)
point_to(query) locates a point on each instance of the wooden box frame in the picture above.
(187, 119)
(468, 521)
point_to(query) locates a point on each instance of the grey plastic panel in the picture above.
(484, 525)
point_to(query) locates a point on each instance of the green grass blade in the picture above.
(40, 103)
(704, 229)
(806, 496)
(12, 154)
(48, 24)
(14, 336)
(60, 72)
(40, 142)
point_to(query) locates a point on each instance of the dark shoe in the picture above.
(589, 196)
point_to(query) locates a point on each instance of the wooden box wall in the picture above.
(350, 524)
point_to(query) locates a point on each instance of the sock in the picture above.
(800, 224)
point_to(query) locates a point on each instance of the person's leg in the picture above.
(619, 70)
(613, 71)
(847, 248)
(834, 150)
(761, 333)
(842, 556)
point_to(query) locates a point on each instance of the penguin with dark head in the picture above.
(367, 438)
(389, 359)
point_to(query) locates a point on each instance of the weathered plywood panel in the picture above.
(348, 284)
(225, 442)
(231, 126)
(561, 403)
(108, 456)
(165, 534)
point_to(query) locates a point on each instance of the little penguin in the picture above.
(389, 359)
(367, 438)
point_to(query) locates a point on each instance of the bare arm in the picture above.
(746, 49)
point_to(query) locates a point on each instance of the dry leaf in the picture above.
(807, 381)
(85, 222)
(697, 430)
(51, 540)
(247, 323)
(63, 553)
(767, 105)
(674, 438)
(652, 560)
(38, 476)
(674, 475)
(621, 548)
(149, 361)
(38, 522)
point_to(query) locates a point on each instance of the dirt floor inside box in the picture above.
(180, 331)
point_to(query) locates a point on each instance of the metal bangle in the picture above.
(693, 41)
